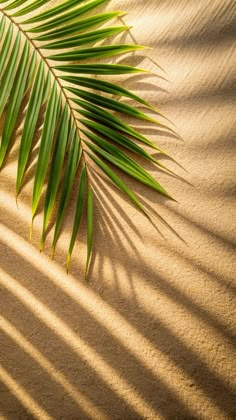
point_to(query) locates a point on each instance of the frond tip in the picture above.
(72, 103)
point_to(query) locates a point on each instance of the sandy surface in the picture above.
(150, 334)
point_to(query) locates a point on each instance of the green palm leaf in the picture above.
(51, 115)
(94, 52)
(123, 162)
(30, 124)
(117, 181)
(79, 26)
(99, 114)
(83, 39)
(29, 77)
(2, 26)
(78, 214)
(5, 47)
(74, 158)
(112, 104)
(107, 69)
(33, 6)
(8, 77)
(104, 86)
(89, 228)
(67, 17)
(46, 15)
(15, 102)
(56, 169)
(14, 4)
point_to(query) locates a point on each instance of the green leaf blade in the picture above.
(85, 38)
(5, 47)
(32, 70)
(79, 26)
(78, 213)
(9, 74)
(89, 228)
(115, 136)
(53, 11)
(117, 181)
(114, 122)
(68, 180)
(16, 98)
(30, 8)
(14, 4)
(124, 163)
(45, 146)
(112, 104)
(104, 86)
(67, 17)
(2, 26)
(102, 69)
(56, 169)
(95, 52)
(30, 124)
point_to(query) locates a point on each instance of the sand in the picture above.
(150, 333)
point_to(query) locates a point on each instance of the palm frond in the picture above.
(81, 127)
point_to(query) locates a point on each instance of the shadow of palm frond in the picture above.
(81, 323)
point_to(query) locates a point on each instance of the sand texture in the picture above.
(150, 333)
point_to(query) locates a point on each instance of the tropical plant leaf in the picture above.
(104, 86)
(5, 47)
(67, 100)
(99, 114)
(49, 13)
(9, 73)
(78, 215)
(49, 127)
(74, 157)
(89, 227)
(67, 17)
(30, 124)
(123, 162)
(107, 69)
(89, 37)
(2, 26)
(117, 181)
(31, 7)
(15, 102)
(115, 136)
(14, 4)
(112, 104)
(32, 70)
(79, 26)
(56, 169)
(94, 52)
(47, 88)
(120, 139)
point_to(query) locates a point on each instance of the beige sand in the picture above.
(150, 334)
